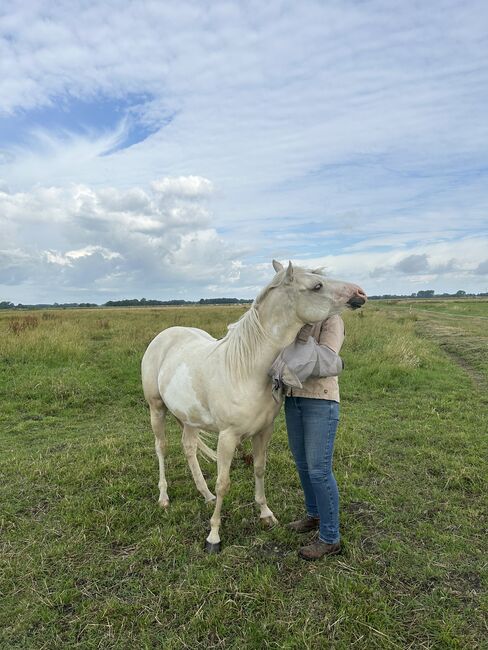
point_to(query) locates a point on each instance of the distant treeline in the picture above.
(429, 293)
(128, 302)
(147, 303)
(143, 302)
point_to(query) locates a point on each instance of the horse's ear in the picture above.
(319, 270)
(277, 266)
(289, 274)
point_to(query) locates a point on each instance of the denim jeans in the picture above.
(312, 425)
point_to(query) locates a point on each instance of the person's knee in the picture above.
(301, 465)
(319, 474)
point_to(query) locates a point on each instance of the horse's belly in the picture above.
(182, 399)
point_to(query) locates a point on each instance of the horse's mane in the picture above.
(242, 343)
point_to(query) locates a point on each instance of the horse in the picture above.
(222, 386)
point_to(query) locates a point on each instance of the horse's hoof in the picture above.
(164, 503)
(212, 548)
(210, 499)
(268, 522)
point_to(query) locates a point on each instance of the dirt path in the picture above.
(449, 314)
(459, 344)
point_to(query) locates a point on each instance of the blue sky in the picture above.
(171, 150)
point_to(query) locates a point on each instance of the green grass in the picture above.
(90, 561)
(459, 326)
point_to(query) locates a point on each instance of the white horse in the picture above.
(223, 385)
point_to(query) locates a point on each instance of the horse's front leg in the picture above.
(225, 452)
(259, 445)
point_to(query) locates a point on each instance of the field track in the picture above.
(462, 334)
(89, 560)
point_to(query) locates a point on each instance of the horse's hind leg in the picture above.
(158, 412)
(189, 441)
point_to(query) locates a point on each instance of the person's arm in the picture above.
(328, 363)
(306, 357)
(312, 358)
(304, 334)
(332, 333)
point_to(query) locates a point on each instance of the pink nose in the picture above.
(357, 299)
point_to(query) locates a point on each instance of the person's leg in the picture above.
(320, 419)
(295, 431)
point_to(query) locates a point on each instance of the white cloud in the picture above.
(70, 257)
(482, 268)
(443, 265)
(184, 186)
(132, 239)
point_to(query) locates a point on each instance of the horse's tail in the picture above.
(203, 448)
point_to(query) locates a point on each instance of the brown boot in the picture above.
(318, 549)
(304, 525)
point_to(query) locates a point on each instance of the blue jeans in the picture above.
(312, 425)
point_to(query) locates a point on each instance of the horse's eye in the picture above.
(318, 286)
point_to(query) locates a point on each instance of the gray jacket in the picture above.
(302, 360)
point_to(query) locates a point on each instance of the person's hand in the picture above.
(304, 334)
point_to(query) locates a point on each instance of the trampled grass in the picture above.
(459, 326)
(89, 560)
(450, 307)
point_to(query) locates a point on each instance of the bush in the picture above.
(19, 325)
(103, 324)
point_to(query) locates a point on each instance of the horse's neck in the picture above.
(278, 320)
(279, 328)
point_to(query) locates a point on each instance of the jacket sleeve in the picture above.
(313, 359)
(301, 360)
(328, 362)
(332, 333)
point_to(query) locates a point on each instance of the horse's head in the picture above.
(314, 296)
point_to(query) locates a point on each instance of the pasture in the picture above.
(89, 560)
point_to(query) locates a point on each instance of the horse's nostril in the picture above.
(357, 299)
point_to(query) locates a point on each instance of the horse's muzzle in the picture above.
(358, 299)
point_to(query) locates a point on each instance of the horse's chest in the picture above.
(254, 413)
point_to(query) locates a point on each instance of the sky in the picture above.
(171, 150)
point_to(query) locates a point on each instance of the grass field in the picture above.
(90, 561)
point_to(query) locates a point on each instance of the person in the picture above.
(306, 373)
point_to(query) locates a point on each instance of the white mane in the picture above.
(242, 343)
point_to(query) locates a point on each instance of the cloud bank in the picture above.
(79, 240)
(86, 244)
